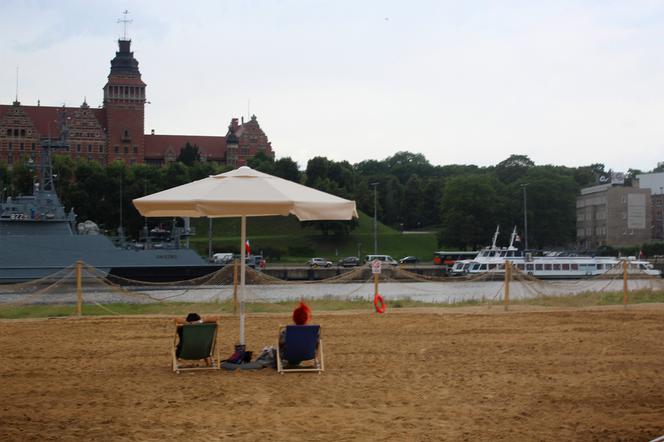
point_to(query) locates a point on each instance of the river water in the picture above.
(433, 292)
(448, 292)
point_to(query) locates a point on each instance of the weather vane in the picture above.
(124, 21)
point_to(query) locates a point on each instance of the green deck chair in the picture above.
(198, 347)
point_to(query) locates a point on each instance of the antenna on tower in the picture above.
(16, 100)
(124, 21)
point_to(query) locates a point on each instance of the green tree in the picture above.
(513, 168)
(262, 163)
(471, 207)
(189, 154)
(287, 169)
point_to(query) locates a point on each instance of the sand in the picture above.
(408, 375)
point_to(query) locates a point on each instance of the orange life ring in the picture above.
(379, 303)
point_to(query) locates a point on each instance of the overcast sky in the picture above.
(462, 82)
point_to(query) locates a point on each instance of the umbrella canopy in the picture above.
(245, 192)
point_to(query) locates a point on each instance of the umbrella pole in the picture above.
(243, 255)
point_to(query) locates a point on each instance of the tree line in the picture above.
(462, 203)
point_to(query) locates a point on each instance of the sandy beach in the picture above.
(431, 374)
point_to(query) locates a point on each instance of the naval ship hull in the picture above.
(29, 257)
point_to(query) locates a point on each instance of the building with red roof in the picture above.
(115, 131)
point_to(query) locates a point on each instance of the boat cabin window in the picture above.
(521, 267)
(600, 266)
(574, 266)
(556, 267)
(475, 266)
(492, 266)
(565, 266)
(529, 267)
(503, 254)
(538, 266)
(483, 267)
(547, 266)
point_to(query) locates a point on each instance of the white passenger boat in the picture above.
(492, 259)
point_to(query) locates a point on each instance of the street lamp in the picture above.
(375, 186)
(525, 216)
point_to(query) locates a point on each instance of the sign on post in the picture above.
(375, 267)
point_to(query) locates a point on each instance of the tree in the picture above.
(287, 169)
(23, 178)
(404, 164)
(189, 154)
(262, 163)
(471, 207)
(513, 168)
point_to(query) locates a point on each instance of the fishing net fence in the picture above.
(80, 286)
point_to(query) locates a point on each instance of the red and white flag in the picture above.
(247, 247)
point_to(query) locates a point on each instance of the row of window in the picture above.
(126, 92)
(126, 149)
(16, 133)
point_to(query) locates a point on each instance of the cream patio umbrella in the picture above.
(241, 193)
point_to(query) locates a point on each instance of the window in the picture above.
(538, 266)
(574, 266)
(89, 148)
(20, 146)
(135, 149)
(22, 132)
(126, 149)
(16, 132)
(556, 267)
(117, 149)
(565, 266)
(9, 132)
(529, 267)
(9, 146)
(33, 146)
(78, 148)
(547, 266)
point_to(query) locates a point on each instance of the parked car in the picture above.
(319, 262)
(222, 258)
(409, 260)
(385, 259)
(349, 261)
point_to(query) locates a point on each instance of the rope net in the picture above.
(87, 285)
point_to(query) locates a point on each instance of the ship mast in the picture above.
(46, 183)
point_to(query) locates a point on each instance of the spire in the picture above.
(124, 61)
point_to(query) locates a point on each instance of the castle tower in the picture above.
(124, 103)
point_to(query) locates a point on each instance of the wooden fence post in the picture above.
(79, 288)
(625, 266)
(508, 276)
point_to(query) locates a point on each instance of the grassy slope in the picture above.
(283, 232)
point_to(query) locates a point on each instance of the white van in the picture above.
(385, 259)
(222, 258)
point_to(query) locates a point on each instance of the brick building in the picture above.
(116, 131)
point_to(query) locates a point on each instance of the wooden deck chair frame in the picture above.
(212, 362)
(318, 360)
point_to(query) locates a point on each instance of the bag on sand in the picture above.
(267, 357)
(240, 355)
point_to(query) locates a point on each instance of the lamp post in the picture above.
(661, 203)
(375, 186)
(525, 216)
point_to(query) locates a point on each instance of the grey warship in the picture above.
(38, 237)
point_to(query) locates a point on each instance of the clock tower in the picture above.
(124, 103)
